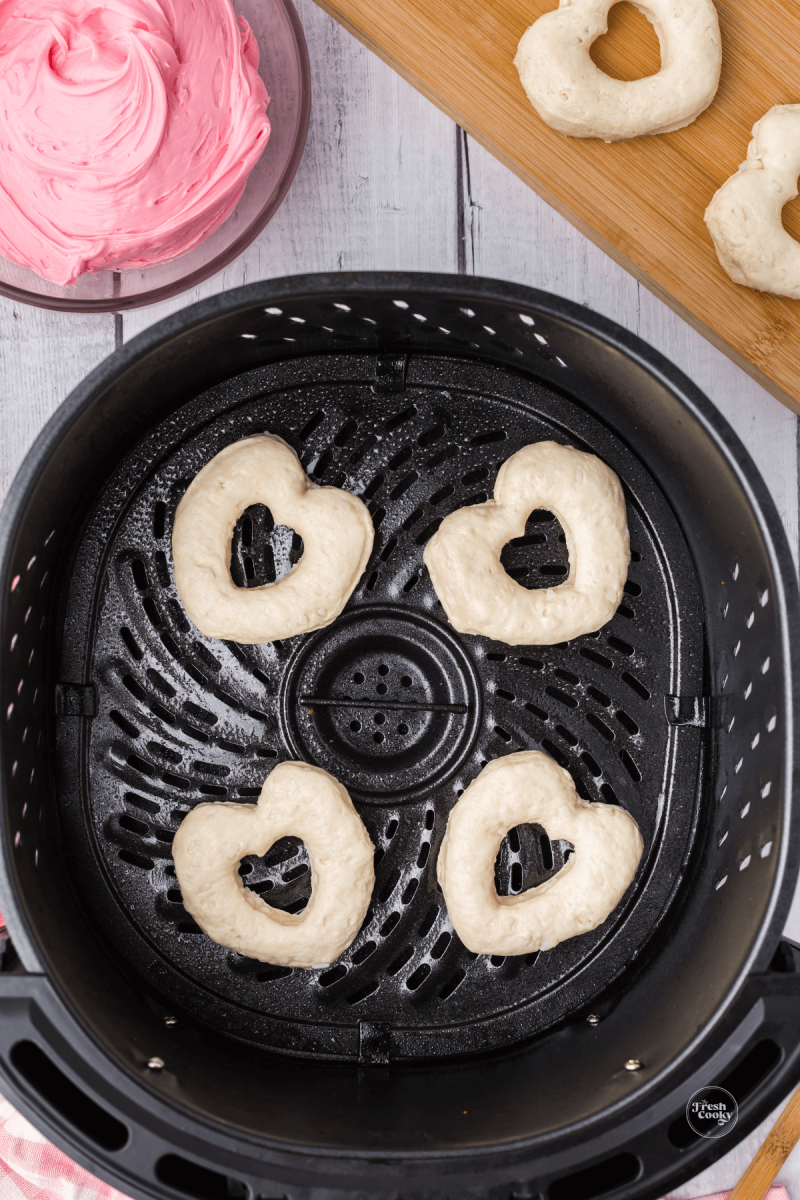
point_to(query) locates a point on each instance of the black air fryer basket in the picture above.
(411, 1067)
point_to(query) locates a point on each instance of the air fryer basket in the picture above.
(410, 1067)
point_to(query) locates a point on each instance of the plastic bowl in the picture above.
(284, 68)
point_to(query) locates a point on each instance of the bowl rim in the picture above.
(120, 304)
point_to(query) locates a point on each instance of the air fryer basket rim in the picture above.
(458, 288)
(360, 283)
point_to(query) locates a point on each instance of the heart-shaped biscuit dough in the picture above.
(463, 557)
(529, 788)
(335, 526)
(574, 96)
(744, 216)
(297, 800)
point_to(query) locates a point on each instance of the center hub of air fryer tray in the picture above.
(386, 699)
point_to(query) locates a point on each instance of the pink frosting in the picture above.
(127, 129)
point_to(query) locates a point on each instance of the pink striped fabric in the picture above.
(774, 1193)
(32, 1169)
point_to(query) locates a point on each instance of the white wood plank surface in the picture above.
(43, 355)
(387, 181)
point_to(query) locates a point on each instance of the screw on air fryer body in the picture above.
(155, 1064)
(170, 1021)
(593, 1019)
(633, 1064)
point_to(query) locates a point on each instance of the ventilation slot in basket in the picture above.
(66, 1098)
(598, 1180)
(740, 1082)
(193, 1180)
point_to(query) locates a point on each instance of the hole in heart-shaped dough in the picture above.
(261, 551)
(790, 218)
(282, 876)
(538, 559)
(630, 49)
(527, 858)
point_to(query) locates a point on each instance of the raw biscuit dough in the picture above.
(529, 788)
(335, 526)
(297, 800)
(744, 216)
(463, 557)
(574, 96)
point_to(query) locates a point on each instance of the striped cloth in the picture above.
(32, 1169)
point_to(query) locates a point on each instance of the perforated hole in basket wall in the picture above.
(25, 699)
(748, 720)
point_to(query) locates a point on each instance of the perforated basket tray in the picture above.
(410, 392)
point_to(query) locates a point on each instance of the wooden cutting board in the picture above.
(643, 200)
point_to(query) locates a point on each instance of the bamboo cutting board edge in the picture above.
(363, 35)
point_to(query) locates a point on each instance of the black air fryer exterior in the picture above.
(711, 998)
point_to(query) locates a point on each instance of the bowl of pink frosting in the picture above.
(143, 143)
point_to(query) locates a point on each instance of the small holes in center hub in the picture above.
(386, 667)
